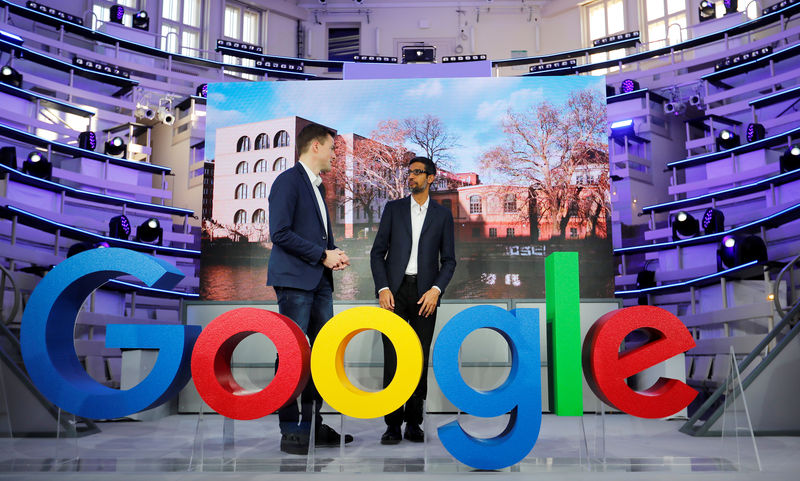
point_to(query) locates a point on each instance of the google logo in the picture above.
(51, 361)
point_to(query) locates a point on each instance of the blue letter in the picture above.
(47, 336)
(520, 394)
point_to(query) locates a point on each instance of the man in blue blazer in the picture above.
(412, 261)
(300, 268)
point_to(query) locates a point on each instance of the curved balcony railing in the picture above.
(105, 199)
(766, 143)
(66, 149)
(47, 225)
(761, 185)
(771, 221)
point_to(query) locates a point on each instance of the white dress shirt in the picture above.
(418, 213)
(316, 181)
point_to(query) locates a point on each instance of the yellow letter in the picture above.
(327, 362)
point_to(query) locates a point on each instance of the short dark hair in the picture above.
(430, 167)
(310, 133)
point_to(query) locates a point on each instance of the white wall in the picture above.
(281, 34)
(495, 31)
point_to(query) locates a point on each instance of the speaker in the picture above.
(419, 54)
(8, 157)
(644, 280)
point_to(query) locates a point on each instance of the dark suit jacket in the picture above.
(297, 232)
(436, 259)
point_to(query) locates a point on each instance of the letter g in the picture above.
(47, 336)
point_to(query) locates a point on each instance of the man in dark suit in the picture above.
(412, 260)
(300, 268)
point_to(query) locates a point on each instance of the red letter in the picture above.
(211, 363)
(606, 368)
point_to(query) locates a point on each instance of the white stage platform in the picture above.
(179, 448)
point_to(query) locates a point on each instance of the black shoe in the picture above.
(327, 436)
(414, 433)
(392, 435)
(294, 443)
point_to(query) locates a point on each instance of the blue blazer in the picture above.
(436, 259)
(297, 232)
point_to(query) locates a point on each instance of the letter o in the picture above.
(327, 362)
(211, 363)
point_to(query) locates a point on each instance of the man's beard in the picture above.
(417, 189)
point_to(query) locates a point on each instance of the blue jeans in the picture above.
(310, 310)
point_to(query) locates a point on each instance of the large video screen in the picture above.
(522, 166)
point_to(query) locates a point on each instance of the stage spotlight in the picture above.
(150, 231)
(735, 250)
(790, 160)
(141, 20)
(707, 10)
(727, 140)
(8, 157)
(695, 100)
(165, 116)
(622, 128)
(116, 147)
(202, 90)
(628, 86)
(731, 6)
(37, 165)
(684, 226)
(645, 279)
(674, 108)
(755, 132)
(145, 112)
(119, 227)
(115, 13)
(726, 252)
(10, 76)
(87, 140)
(610, 91)
(713, 221)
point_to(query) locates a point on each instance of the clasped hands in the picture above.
(428, 301)
(336, 259)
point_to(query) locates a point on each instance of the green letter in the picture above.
(562, 295)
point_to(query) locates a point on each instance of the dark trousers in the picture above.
(310, 310)
(405, 306)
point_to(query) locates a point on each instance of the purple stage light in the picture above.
(628, 86)
(713, 221)
(116, 12)
(87, 140)
(755, 132)
(119, 227)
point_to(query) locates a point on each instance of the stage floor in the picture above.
(192, 447)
